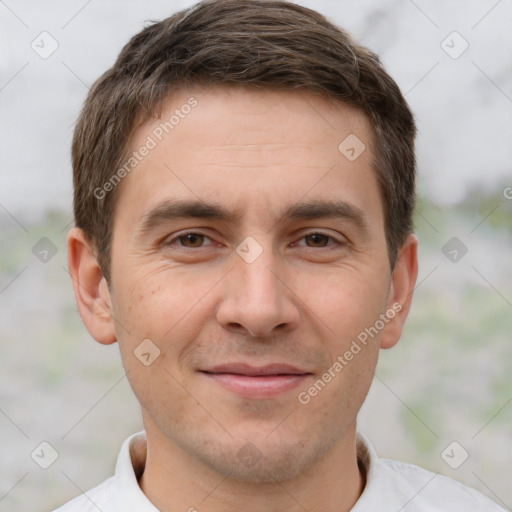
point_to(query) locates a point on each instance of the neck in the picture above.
(175, 480)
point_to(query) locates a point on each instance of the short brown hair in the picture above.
(268, 44)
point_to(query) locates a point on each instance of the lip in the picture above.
(247, 369)
(257, 381)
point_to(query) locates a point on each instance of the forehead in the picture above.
(250, 148)
(251, 109)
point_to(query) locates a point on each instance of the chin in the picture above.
(263, 462)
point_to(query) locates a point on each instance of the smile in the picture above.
(254, 382)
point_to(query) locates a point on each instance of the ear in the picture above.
(401, 290)
(91, 290)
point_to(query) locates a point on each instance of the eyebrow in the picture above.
(169, 210)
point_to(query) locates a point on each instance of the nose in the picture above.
(258, 298)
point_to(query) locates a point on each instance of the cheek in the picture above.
(157, 319)
(165, 305)
(346, 301)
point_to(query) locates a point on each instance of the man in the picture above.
(244, 186)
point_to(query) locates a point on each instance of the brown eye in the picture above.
(317, 239)
(192, 240)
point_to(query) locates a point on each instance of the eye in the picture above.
(319, 240)
(196, 240)
(190, 240)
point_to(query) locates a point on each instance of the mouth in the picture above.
(257, 382)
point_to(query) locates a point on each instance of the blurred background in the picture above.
(442, 398)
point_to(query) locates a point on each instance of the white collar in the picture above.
(127, 494)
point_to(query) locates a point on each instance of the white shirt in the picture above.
(391, 486)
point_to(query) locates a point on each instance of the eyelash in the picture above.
(184, 234)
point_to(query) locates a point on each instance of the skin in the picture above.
(302, 301)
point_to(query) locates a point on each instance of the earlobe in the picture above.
(404, 278)
(91, 291)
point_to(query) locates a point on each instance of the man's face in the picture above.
(225, 299)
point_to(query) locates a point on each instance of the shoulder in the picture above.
(97, 498)
(426, 491)
(394, 485)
